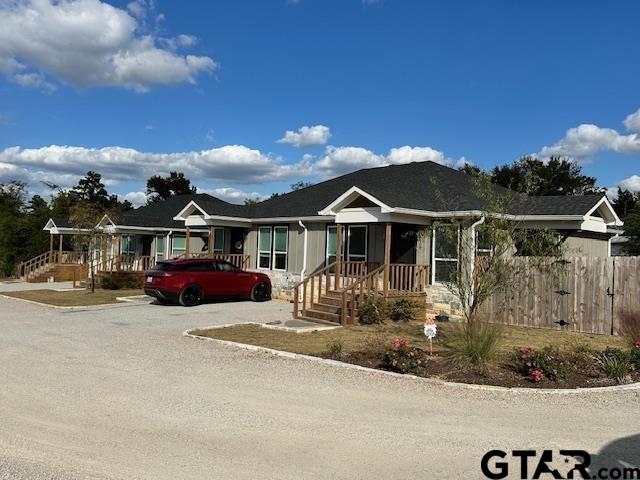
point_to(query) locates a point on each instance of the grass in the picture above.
(73, 298)
(361, 338)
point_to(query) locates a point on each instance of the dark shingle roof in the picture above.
(62, 222)
(160, 214)
(561, 205)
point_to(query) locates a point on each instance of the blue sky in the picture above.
(209, 87)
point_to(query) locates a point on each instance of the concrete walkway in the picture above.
(121, 394)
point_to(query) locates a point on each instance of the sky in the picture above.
(248, 97)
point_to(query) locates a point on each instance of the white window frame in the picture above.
(435, 259)
(286, 251)
(268, 252)
(164, 247)
(482, 252)
(182, 250)
(326, 250)
(219, 232)
(130, 240)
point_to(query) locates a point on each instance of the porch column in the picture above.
(187, 241)
(338, 269)
(387, 258)
(50, 247)
(212, 240)
(119, 252)
(60, 249)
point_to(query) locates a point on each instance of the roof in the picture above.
(425, 186)
(160, 214)
(61, 222)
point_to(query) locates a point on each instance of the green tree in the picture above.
(160, 188)
(12, 204)
(557, 176)
(632, 230)
(625, 202)
(300, 185)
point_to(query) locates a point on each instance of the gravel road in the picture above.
(118, 393)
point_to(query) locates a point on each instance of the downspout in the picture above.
(471, 298)
(304, 254)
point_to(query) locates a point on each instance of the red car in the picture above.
(190, 281)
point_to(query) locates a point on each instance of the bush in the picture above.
(403, 310)
(538, 364)
(132, 283)
(403, 358)
(635, 356)
(372, 311)
(335, 349)
(615, 363)
(109, 283)
(474, 343)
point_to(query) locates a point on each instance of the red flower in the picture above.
(536, 376)
(524, 351)
(637, 343)
(394, 362)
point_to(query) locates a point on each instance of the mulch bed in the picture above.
(502, 374)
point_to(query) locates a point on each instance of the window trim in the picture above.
(366, 243)
(173, 249)
(219, 232)
(128, 239)
(260, 252)
(164, 248)
(483, 252)
(435, 259)
(346, 242)
(274, 252)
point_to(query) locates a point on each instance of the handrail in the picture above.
(308, 285)
(367, 285)
(408, 278)
(36, 265)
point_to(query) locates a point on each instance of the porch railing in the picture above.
(311, 288)
(129, 263)
(371, 285)
(41, 263)
(407, 278)
(240, 260)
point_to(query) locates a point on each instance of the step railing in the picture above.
(369, 286)
(130, 263)
(43, 262)
(311, 288)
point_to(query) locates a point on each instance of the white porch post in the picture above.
(387, 258)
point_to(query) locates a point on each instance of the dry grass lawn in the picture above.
(360, 338)
(74, 298)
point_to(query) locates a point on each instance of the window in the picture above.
(264, 247)
(128, 245)
(280, 242)
(218, 240)
(178, 245)
(196, 267)
(332, 241)
(483, 243)
(160, 247)
(446, 241)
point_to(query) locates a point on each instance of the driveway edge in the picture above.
(433, 381)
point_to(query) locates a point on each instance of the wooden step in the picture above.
(317, 320)
(337, 301)
(324, 307)
(330, 317)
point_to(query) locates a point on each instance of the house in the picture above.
(383, 220)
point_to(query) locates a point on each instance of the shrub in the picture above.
(109, 283)
(335, 349)
(403, 310)
(403, 358)
(537, 364)
(474, 343)
(372, 311)
(635, 356)
(132, 283)
(630, 326)
(614, 363)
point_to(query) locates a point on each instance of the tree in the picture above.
(251, 201)
(557, 176)
(632, 231)
(11, 209)
(625, 202)
(90, 189)
(160, 188)
(300, 185)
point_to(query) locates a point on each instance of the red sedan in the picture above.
(190, 281)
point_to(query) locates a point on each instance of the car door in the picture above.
(215, 281)
(236, 281)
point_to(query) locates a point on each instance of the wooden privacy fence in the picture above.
(591, 295)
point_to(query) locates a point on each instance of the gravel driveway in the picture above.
(118, 393)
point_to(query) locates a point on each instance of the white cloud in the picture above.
(231, 195)
(307, 136)
(89, 43)
(632, 122)
(340, 160)
(587, 140)
(631, 183)
(230, 163)
(136, 198)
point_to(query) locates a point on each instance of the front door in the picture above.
(403, 244)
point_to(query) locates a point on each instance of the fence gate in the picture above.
(591, 295)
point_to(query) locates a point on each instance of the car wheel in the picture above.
(191, 296)
(260, 292)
